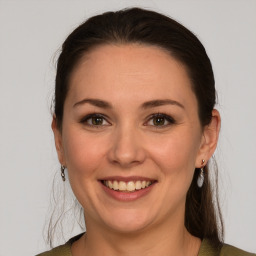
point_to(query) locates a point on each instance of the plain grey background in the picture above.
(30, 34)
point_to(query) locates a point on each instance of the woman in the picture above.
(135, 127)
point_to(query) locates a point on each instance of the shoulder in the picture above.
(229, 250)
(208, 249)
(62, 250)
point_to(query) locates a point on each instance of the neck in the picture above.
(161, 240)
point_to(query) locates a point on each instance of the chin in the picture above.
(128, 221)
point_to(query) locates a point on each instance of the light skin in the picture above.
(147, 125)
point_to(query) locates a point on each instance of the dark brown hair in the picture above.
(134, 25)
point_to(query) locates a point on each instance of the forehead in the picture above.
(130, 70)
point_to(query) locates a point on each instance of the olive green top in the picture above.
(206, 249)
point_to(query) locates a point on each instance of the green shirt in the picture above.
(206, 249)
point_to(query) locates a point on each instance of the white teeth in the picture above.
(122, 186)
(127, 186)
(115, 185)
(138, 185)
(130, 186)
(110, 184)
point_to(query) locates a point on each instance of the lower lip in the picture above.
(127, 196)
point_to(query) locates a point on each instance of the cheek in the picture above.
(176, 153)
(82, 152)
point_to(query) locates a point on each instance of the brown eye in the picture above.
(95, 120)
(160, 120)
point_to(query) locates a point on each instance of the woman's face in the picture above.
(130, 121)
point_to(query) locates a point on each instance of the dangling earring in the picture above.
(62, 173)
(200, 179)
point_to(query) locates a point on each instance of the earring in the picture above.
(200, 179)
(62, 173)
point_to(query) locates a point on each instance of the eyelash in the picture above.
(90, 116)
(166, 117)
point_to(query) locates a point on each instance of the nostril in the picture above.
(125, 149)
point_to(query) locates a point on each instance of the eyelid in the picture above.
(167, 117)
(89, 116)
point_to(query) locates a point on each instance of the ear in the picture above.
(209, 139)
(58, 141)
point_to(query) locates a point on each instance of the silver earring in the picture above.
(200, 179)
(62, 173)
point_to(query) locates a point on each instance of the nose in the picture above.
(127, 148)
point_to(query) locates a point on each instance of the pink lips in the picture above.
(127, 196)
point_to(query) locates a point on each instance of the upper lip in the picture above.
(126, 179)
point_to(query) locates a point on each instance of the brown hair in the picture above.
(134, 25)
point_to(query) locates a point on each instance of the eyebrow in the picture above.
(149, 104)
(94, 102)
(157, 103)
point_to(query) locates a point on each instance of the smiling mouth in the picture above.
(130, 186)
